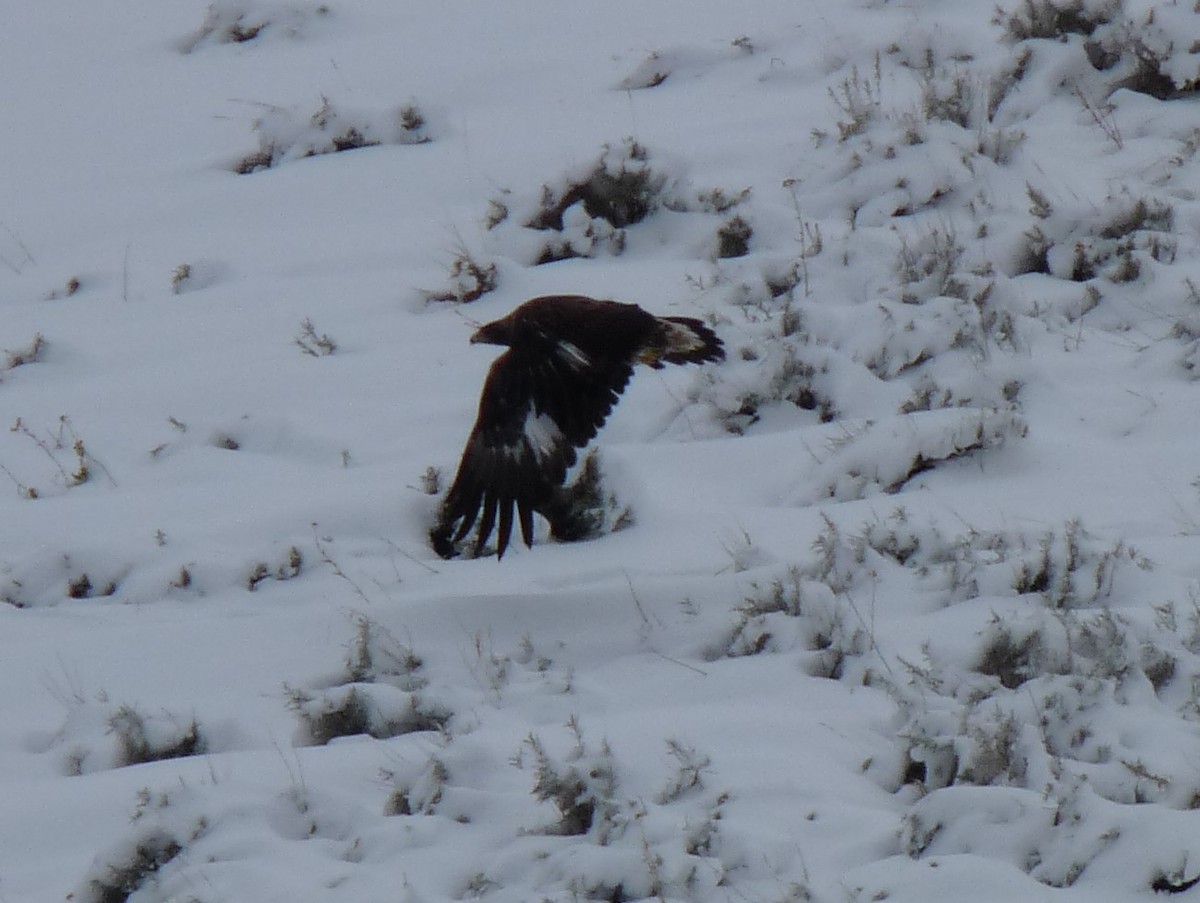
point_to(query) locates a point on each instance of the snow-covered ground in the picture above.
(909, 607)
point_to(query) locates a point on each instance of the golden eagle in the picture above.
(568, 359)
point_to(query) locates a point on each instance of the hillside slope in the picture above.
(905, 601)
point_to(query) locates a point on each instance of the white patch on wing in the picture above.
(573, 355)
(541, 434)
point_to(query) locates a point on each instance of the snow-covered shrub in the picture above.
(684, 61)
(812, 608)
(141, 740)
(285, 134)
(494, 669)
(420, 794)
(378, 693)
(374, 655)
(376, 710)
(1150, 49)
(1070, 569)
(589, 211)
(841, 361)
(1143, 46)
(1046, 711)
(165, 825)
(468, 280)
(1097, 646)
(586, 508)
(1082, 244)
(243, 21)
(55, 576)
(1016, 652)
(81, 587)
(930, 336)
(128, 867)
(797, 611)
(313, 344)
(858, 99)
(884, 456)
(798, 375)
(1186, 329)
(733, 238)
(583, 791)
(69, 289)
(691, 766)
(1063, 691)
(1055, 19)
(97, 735)
(30, 354)
(941, 335)
(287, 569)
(610, 841)
(71, 462)
(620, 188)
(194, 275)
(927, 268)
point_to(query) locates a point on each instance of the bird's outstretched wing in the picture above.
(536, 409)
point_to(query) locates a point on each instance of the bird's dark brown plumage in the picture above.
(569, 358)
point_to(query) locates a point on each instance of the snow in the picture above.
(909, 607)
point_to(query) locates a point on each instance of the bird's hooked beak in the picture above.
(494, 333)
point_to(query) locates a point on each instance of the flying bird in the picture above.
(569, 357)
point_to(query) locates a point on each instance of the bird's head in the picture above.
(498, 332)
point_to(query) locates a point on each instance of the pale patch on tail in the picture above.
(689, 341)
(682, 339)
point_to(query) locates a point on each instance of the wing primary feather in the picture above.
(489, 520)
(506, 523)
(468, 511)
(525, 510)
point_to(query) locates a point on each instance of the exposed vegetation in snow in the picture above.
(898, 602)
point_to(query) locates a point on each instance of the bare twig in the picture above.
(1103, 117)
(17, 267)
(323, 551)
